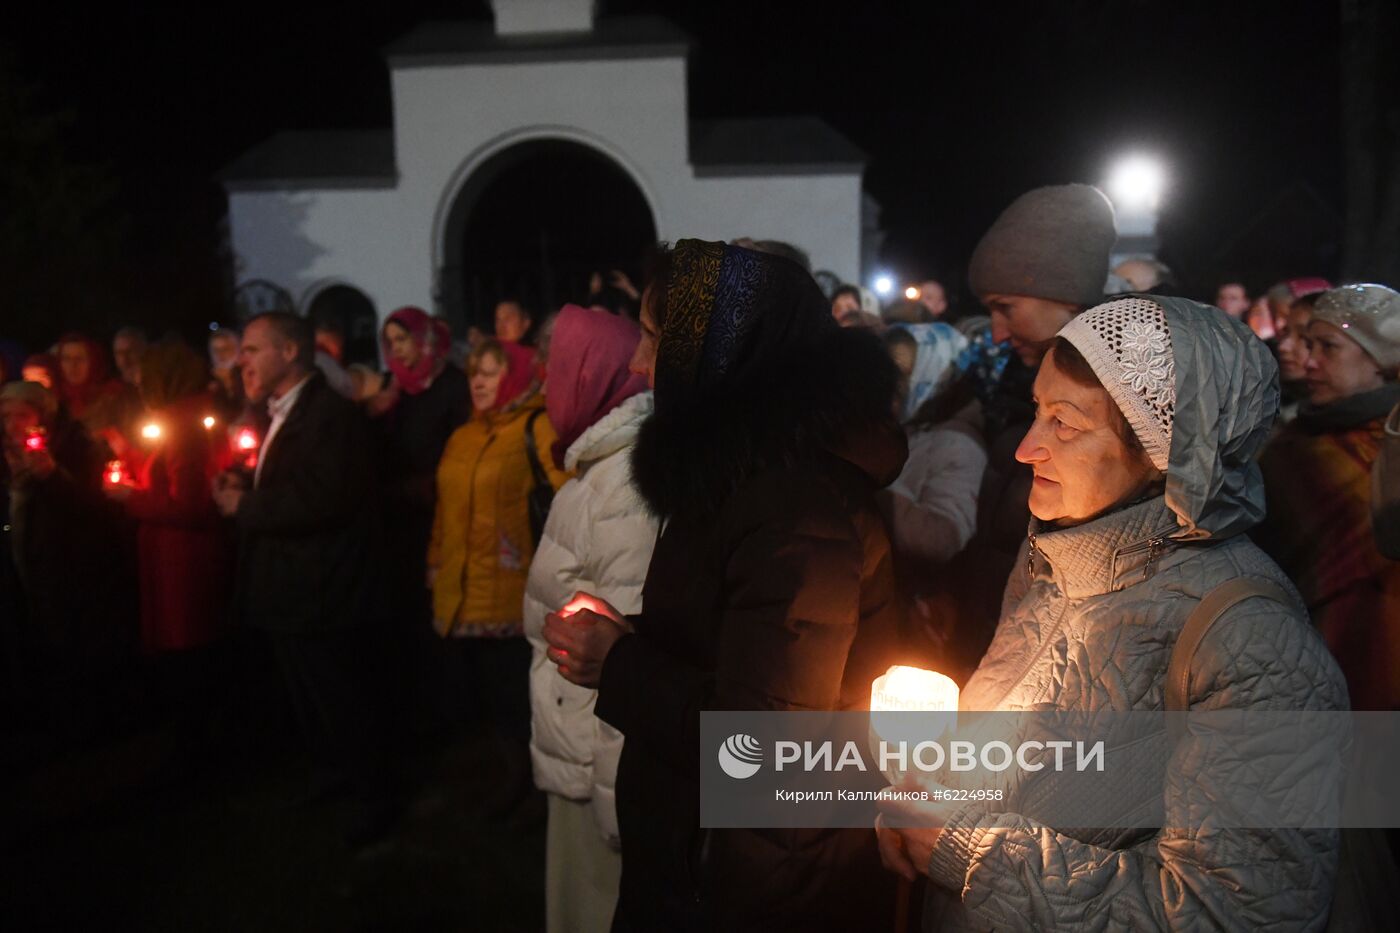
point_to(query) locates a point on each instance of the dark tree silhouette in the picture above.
(1371, 117)
(60, 227)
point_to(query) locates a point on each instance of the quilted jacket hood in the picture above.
(1227, 396)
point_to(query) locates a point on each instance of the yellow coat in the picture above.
(481, 545)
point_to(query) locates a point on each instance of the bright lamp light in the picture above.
(884, 284)
(1137, 182)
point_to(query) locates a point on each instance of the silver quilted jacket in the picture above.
(1090, 616)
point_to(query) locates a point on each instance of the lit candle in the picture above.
(245, 446)
(903, 689)
(36, 440)
(913, 689)
(151, 431)
(116, 473)
(208, 422)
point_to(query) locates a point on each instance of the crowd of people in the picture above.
(728, 490)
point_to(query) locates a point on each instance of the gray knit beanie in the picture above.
(1051, 243)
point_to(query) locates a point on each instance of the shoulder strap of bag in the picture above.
(532, 451)
(1215, 604)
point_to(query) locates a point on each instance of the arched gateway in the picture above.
(523, 154)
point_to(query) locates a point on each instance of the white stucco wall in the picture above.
(449, 120)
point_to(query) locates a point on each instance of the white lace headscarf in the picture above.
(1127, 344)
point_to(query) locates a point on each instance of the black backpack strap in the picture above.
(532, 452)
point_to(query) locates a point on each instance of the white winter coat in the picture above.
(932, 507)
(599, 538)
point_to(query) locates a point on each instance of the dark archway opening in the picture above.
(350, 310)
(533, 223)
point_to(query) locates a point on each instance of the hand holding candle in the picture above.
(580, 635)
(906, 839)
(116, 481)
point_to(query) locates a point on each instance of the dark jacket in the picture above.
(66, 599)
(411, 437)
(308, 535)
(771, 588)
(414, 433)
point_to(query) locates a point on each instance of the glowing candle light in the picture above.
(151, 431)
(116, 473)
(910, 689)
(245, 443)
(208, 422)
(913, 689)
(911, 293)
(583, 601)
(36, 440)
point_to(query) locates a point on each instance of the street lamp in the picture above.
(884, 284)
(1136, 182)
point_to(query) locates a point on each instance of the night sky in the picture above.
(961, 107)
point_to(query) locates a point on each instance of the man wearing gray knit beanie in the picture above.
(1043, 261)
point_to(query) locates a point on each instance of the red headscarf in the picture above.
(519, 378)
(587, 371)
(433, 339)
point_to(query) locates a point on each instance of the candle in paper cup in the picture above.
(903, 689)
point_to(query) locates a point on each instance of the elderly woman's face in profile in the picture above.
(1082, 465)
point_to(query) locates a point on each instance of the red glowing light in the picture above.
(35, 441)
(247, 440)
(116, 473)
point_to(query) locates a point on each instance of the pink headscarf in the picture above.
(1307, 286)
(588, 377)
(433, 339)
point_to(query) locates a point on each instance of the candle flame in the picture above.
(116, 472)
(208, 422)
(247, 440)
(911, 688)
(151, 432)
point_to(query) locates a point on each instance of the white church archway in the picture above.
(583, 206)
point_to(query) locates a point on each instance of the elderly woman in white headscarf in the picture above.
(1149, 413)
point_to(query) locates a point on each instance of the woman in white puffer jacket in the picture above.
(598, 539)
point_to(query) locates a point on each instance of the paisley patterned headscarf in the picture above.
(728, 310)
